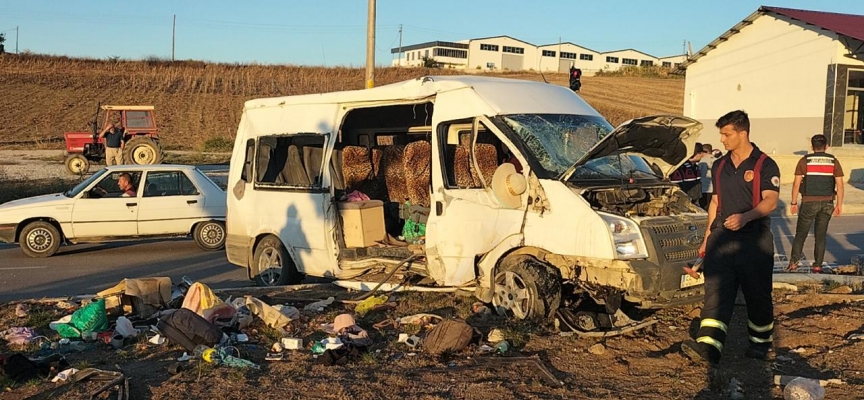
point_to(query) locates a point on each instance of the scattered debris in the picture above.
(292, 343)
(597, 349)
(534, 360)
(495, 336)
(856, 336)
(736, 389)
(844, 289)
(803, 389)
(369, 304)
(21, 310)
(18, 335)
(117, 386)
(64, 375)
(784, 286)
(319, 306)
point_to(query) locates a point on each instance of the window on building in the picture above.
(548, 53)
(586, 57)
(629, 61)
(426, 53)
(514, 50)
(853, 119)
(453, 53)
(489, 47)
(646, 63)
(667, 64)
(613, 60)
(571, 56)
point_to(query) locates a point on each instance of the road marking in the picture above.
(14, 268)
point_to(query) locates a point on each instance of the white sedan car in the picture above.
(159, 201)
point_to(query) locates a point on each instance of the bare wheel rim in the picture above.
(76, 165)
(143, 154)
(270, 266)
(40, 240)
(212, 234)
(512, 294)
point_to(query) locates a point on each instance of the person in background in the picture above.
(112, 135)
(705, 165)
(819, 178)
(687, 176)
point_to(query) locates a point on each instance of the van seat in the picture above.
(392, 166)
(312, 158)
(465, 173)
(418, 172)
(356, 166)
(293, 173)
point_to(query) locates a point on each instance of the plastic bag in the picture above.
(367, 305)
(125, 328)
(87, 319)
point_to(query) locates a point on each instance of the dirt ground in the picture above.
(811, 340)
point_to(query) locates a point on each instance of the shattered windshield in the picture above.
(615, 167)
(558, 141)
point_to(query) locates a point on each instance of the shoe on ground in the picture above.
(757, 352)
(792, 267)
(698, 352)
(816, 269)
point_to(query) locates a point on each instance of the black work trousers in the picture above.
(736, 259)
(820, 212)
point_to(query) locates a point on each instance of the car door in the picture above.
(170, 203)
(102, 211)
(465, 220)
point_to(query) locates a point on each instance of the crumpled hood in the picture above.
(665, 140)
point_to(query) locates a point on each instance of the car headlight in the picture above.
(627, 236)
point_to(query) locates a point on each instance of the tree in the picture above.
(429, 62)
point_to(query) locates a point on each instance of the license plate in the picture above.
(688, 281)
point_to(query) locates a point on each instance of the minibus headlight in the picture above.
(627, 236)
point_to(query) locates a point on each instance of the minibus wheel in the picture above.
(526, 288)
(273, 265)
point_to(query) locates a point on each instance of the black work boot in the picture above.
(700, 352)
(758, 351)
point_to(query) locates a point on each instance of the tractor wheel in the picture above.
(142, 150)
(77, 164)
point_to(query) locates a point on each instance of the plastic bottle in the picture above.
(803, 389)
(502, 347)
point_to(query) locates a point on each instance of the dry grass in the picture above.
(199, 104)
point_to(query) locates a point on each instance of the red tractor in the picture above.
(142, 140)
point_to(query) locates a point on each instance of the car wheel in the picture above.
(273, 265)
(77, 164)
(40, 239)
(525, 288)
(142, 150)
(210, 235)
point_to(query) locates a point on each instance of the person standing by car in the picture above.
(687, 176)
(112, 135)
(819, 178)
(705, 164)
(738, 244)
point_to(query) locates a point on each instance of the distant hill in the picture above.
(43, 96)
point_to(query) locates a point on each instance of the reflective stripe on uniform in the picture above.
(713, 323)
(709, 340)
(760, 340)
(757, 328)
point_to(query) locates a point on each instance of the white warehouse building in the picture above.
(505, 53)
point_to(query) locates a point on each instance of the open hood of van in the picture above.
(666, 141)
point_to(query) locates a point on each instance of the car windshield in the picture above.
(614, 167)
(79, 187)
(557, 141)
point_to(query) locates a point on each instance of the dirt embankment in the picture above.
(44, 96)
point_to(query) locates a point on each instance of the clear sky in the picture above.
(333, 32)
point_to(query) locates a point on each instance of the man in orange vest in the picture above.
(820, 176)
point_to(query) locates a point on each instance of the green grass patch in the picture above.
(40, 319)
(218, 144)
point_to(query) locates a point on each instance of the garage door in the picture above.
(512, 62)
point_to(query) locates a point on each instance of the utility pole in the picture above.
(400, 45)
(173, 34)
(16, 39)
(370, 47)
(684, 47)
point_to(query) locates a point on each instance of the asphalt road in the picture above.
(87, 269)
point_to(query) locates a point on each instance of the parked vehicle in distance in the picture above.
(165, 201)
(526, 194)
(142, 138)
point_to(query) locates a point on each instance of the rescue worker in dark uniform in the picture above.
(738, 245)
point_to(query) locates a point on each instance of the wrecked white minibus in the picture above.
(532, 197)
